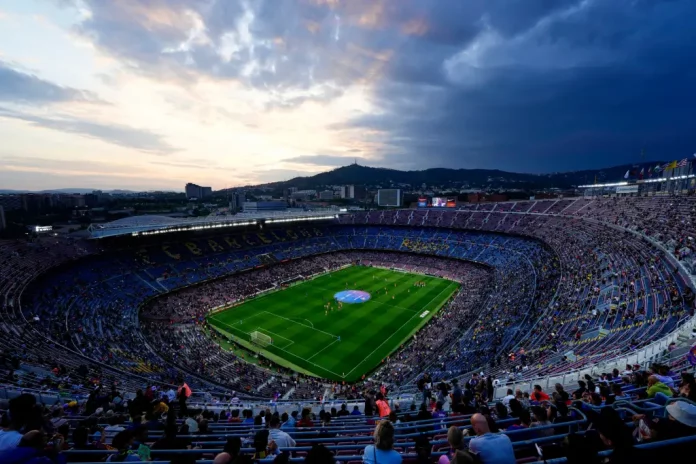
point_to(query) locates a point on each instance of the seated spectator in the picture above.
(20, 408)
(525, 421)
(356, 411)
(688, 387)
(170, 441)
(234, 417)
(560, 394)
(463, 457)
(382, 452)
(538, 395)
(656, 387)
(578, 394)
(230, 452)
(455, 438)
(306, 420)
(515, 408)
(488, 447)
(615, 435)
(662, 374)
(320, 454)
(423, 413)
(81, 442)
(343, 411)
(140, 443)
(261, 444)
(541, 419)
(248, 417)
(394, 419)
(191, 421)
(618, 393)
(438, 413)
(123, 442)
(501, 411)
(32, 449)
(681, 421)
(281, 439)
(289, 421)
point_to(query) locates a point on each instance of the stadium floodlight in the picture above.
(260, 339)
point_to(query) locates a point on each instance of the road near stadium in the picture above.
(311, 332)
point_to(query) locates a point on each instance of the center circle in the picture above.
(352, 296)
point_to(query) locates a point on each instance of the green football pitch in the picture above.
(344, 343)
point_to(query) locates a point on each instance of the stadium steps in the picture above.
(288, 394)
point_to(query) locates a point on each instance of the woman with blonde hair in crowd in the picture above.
(382, 452)
(455, 438)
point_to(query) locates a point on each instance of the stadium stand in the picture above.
(573, 345)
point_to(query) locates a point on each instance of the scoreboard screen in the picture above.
(422, 202)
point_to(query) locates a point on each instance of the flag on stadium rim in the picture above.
(683, 163)
(672, 165)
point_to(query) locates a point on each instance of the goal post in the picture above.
(260, 339)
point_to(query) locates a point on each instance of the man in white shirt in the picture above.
(281, 439)
(506, 399)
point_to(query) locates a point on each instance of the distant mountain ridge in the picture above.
(475, 178)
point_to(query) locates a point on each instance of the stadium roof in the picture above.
(151, 224)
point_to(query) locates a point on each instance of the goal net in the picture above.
(261, 339)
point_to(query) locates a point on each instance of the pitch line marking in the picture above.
(304, 325)
(261, 329)
(289, 353)
(321, 350)
(393, 333)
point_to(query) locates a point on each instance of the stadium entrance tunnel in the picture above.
(352, 296)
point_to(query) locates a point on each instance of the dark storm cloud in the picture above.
(124, 136)
(583, 87)
(20, 87)
(533, 85)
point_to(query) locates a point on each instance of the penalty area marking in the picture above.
(261, 329)
(322, 350)
(299, 323)
(288, 352)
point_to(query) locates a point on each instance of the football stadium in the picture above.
(512, 316)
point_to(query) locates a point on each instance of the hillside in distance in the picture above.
(473, 178)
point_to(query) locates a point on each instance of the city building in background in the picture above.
(236, 199)
(389, 197)
(326, 195)
(256, 206)
(198, 192)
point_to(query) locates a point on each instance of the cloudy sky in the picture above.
(146, 94)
